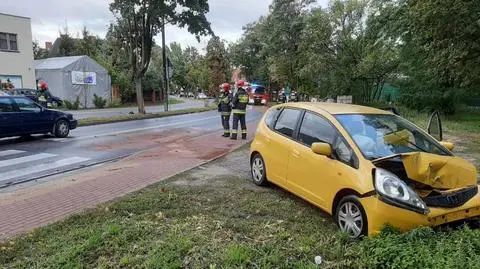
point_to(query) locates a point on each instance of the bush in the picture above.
(99, 102)
(420, 248)
(445, 102)
(72, 106)
(115, 103)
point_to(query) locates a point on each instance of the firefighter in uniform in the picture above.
(225, 108)
(43, 94)
(239, 105)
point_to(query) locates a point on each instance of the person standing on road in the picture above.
(225, 108)
(43, 94)
(239, 105)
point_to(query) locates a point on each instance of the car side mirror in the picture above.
(322, 149)
(449, 145)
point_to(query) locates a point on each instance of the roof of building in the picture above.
(56, 62)
(338, 108)
(16, 16)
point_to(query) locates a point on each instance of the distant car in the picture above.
(3, 93)
(20, 115)
(33, 95)
(190, 94)
(202, 96)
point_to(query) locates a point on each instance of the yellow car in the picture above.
(365, 166)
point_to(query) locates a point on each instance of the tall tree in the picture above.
(138, 21)
(218, 64)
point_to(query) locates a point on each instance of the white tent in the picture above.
(74, 76)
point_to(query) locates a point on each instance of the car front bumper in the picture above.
(380, 213)
(73, 124)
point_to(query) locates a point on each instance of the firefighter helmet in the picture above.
(241, 83)
(225, 87)
(43, 85)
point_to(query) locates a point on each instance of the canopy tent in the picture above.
(74, 76)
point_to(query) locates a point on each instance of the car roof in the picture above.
(337, 108)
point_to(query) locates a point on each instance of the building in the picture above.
(16, 52)
(75, 77)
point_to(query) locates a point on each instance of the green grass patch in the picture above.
(230, 225)
(130, 117)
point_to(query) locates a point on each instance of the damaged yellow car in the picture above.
(365, 166)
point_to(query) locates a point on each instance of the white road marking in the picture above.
(62, 140)
(10, 152)
(41, 167)
(25, 159)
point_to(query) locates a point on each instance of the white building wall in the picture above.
(18, 64)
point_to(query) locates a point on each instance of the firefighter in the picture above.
(43, 94)
(225, 108)
(239, 105)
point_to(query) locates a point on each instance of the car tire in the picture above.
(258, 170)
(350, 217)
(62, 129)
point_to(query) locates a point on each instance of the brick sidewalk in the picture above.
(22, 212)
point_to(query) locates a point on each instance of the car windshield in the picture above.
(259, 90)
(379, 136)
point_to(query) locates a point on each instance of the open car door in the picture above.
(434, 126)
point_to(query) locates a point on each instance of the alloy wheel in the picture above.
(350, 219)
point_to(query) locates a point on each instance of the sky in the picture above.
(49, 16)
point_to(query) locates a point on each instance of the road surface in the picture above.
(109, 112)
(23, 160)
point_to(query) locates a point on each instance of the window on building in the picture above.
(8, 42)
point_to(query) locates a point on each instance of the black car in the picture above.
(20, 116)
(33, 94)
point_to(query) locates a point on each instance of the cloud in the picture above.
(49, 16)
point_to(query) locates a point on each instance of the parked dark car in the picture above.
(33, 94)
(20, 116)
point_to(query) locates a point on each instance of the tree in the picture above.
(218, 64)
(38, 52)
(88, 44)
(179, 62)
(67, 43)
(138, 21)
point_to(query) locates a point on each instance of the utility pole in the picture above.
(165, 74)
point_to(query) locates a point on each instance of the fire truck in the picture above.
(257, 94)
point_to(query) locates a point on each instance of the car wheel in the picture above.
(350, 217)
(259, 172)
(62, 129)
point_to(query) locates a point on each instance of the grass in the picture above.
(226, 222)
(130, 117)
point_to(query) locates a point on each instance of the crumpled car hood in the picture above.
(439, 172)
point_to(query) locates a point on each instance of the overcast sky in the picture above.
(49, 16)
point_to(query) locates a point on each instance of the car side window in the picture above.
(316, 129)
(287, 121)
(25, 105)
(6, 105)
(271, 117)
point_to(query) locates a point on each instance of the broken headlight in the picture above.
(395, 191)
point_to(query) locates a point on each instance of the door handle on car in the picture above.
(296, 153)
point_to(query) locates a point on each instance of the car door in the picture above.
(9, 118)
(307, 171)
(33, 117)
(434, 126)
(317, 177)
(279, 144)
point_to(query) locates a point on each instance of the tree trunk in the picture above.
(140, 101)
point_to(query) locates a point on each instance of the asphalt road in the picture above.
(23, 160)
(109, 112)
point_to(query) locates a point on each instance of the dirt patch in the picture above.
(233, 166)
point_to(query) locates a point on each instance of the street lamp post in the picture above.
(165, 75)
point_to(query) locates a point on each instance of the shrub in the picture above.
(99, 102)
(428, 101)
(115, 103)
(420, 248)
(72, 106)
